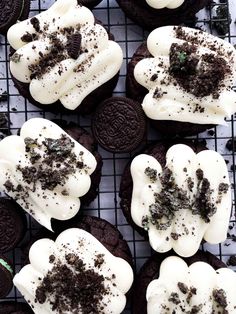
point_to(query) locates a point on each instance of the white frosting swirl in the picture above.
(169, 4)
(117, 273)
(175, 103)
(69, 80)
(186, 229)
(199, 275)
(61, 202)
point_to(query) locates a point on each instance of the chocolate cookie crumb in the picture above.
(232, 260)
(219, 296)
(183, 287)
(174, 298)
(231, 144)
(35, 22)
(72, 289)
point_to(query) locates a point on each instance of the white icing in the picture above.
(169, 4)
(84, 245)
(199, 275)
(176, 103)
(183, 162)
(44, 204)
(69, 81)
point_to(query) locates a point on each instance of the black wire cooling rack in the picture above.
(219, 16)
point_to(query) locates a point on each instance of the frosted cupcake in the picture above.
(178, 197)
(75, 274)
(63, 58)
(47, 172)
(185, 81)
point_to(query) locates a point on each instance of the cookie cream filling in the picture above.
(161, 4)
(194, 289)
(189, 78)
(45, 171)
(63, 54)
(74, 274)
(183, 203)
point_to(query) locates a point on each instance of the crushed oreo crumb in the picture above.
(35, 22)
(198, 75)
(72, 288)
(151, 174)
(172, 198)
(174, 298)
(219, 297)
(183, 287)
(232, 260)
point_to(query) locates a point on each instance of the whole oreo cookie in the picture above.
(137, 92)
(13, 224)
(6, 276)
(150, 271)
(10, 307)
(119, 125)
(158, 151)
(11, 11)
(84, 138)
(151, 18)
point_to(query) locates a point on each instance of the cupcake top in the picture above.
(161, 4)
(74, 274)
(194, 289)
(186, 201)
(45, 171)
(189, 77)
(63, 54)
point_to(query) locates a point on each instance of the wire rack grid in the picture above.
(106, 205)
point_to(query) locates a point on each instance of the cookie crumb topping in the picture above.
(72, 287)
(172, 199)
(200, 75)
(52, 162)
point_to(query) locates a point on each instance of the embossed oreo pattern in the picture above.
(119, 124)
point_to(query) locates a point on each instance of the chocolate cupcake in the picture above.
(13, 225)
(11, 307)
(101, 229)
(48, 172)
(185, 81)
(200, 283)
(11, 12)
(151, 14)
(90, 3)
(177, 197)
(119, 125)
(84, 275)
(64, 59)
(6, 276)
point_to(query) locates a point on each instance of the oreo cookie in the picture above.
(10, 307)
(6, 276)
(137, 92)
(11, 11)
(119, 125)
(150, 18)
(84, 138)
(13, 225)
(158, 151)
(150, 271)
